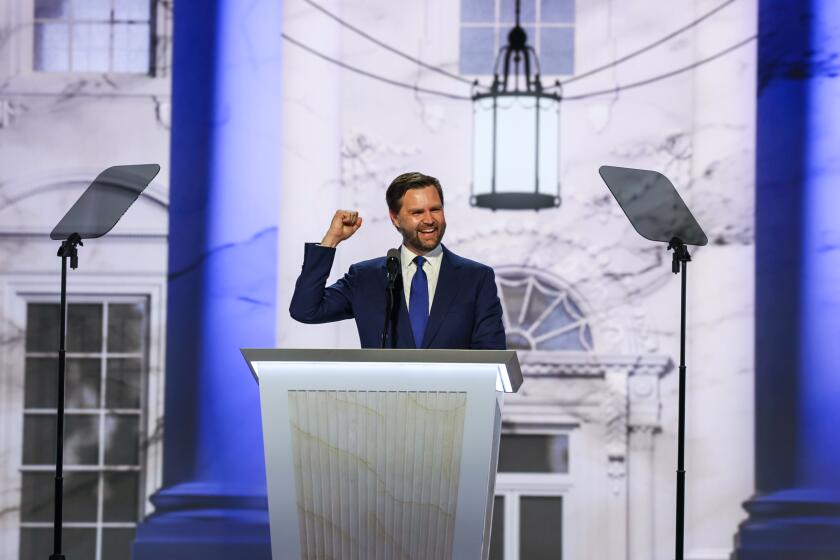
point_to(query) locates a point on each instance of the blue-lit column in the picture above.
(225, 178)
(795, 514)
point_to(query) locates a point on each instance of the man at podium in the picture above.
(447, 301)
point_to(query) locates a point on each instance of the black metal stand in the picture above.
(387, 328)
(679, 264)
(389, 307)
(392, 272)
(67, 250)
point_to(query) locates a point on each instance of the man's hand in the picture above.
(344, 224)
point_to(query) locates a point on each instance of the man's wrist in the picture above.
(330, 241)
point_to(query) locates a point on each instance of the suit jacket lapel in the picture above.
(445, 292)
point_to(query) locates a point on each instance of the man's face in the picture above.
(420, 219)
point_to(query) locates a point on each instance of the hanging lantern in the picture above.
(516, 134)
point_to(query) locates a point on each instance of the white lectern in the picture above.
(382, 454)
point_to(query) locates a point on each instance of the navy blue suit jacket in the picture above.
(465, 314)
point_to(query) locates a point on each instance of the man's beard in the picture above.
(414, 241)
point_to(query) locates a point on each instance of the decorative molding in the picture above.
(641, 438)
(627, 388)
(615, 420)
(589, 364)
(644, 401)
(9, 111)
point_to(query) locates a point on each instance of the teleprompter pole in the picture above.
(67, 250)
(679, 264)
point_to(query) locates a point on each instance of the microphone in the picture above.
(392, 264)
(392, 267)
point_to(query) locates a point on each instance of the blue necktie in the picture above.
(418, 302)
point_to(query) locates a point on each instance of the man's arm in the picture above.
(488, 329)
(312, 301)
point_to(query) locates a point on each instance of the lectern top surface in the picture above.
(505, 358)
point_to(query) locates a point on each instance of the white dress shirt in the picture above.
(431, 267)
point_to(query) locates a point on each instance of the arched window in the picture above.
(540, 313)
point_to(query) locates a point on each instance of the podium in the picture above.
(382, 454)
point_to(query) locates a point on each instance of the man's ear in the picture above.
(394, 219)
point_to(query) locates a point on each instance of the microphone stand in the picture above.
(392, 271)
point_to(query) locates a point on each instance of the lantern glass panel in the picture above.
(516, 139)
(549, 146)
(482, 145)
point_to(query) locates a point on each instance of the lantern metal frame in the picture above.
(516, 55)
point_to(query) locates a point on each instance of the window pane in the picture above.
(558, 318)
(477, 50)
(478, 11)
(80, 496)
(557, 11)
(124, 383)
(81, 383)
(122, 440)
(527, 13)
(52, 42)
(39, 439)
(125, 321)
(134, 10)
(497, 531)
(557, 50)
(116, 543)
(537, 304)
(51, 8)
(37, 543)
(91, 46)
(37, 492)
(79, 543)
(541, 527)
(84, 327)
(131, 49)
(42, 327)
(81, 435)
(537, 453)
(92, 9)
(36, 496)
(40, 384)
(120, 501)
(569, 340)
(81, 439)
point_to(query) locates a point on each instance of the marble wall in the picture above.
(347, 136)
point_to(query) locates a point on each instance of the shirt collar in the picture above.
(434, 256)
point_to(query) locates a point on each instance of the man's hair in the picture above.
(414, 180)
